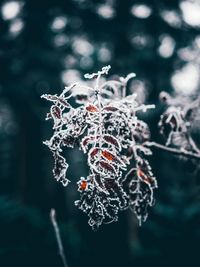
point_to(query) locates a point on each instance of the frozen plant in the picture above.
(177, 124)
(106, 127)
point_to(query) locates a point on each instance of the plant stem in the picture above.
(58, 237)
(99, 104)
(124, 91)
(180, 152)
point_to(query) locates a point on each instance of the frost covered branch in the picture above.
(179, 152)
(106, 127)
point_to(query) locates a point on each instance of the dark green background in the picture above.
(31, 63)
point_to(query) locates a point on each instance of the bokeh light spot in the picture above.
(141, 11)
(167, 46)
(11, 9)
(186, 80)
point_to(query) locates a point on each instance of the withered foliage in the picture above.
(105, 126)
(177, 122)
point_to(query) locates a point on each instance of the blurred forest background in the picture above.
(45, 45)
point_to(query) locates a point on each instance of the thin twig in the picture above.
(58, 237)
(180, 152)
(193, 145)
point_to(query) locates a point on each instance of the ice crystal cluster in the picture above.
(105, 126)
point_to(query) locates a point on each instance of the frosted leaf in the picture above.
(103, 202)
(140, 183)
(56, 99)
(60, 169)
(111, 140)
